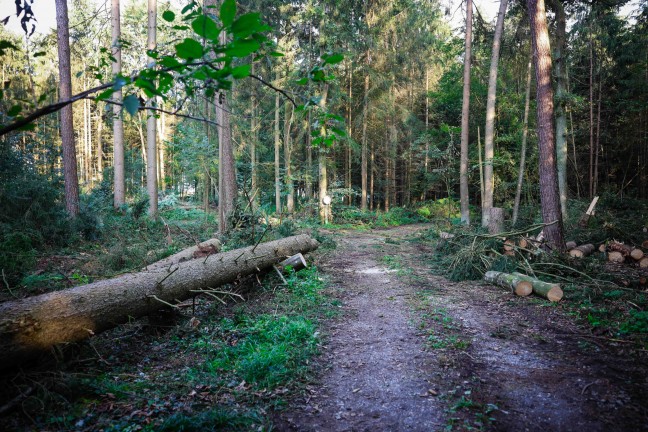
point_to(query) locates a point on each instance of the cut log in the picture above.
(643, 263)
(644, 244)
(35, 324)
(550, 291)
(602, 247)
(496, 220)
(590, 211)
(509, 244)
(571, 245)
(524, 243)
(296, 262)
(201, 250)
(616, 257)
(581, 251)
(515, 284)
(445, 235)
(619, 247)
(636, 254)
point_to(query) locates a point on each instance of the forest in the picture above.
(323, 215)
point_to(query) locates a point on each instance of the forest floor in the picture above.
(414, 351)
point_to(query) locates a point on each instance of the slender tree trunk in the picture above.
(597, 145)
(489, 132)
(387, 157)
(290, 189)
(161, 145)
(66, 126)
(426, 160)
(561, 117)
(347, 180)
(372, 159)
(363, 162)
(309, 160)
(118, 124)
(277, 157)
(227, 189)
(525, 134)
(99, 142)
(549, 195)
(481, 167)
(322, 174)
(151, 129)
(465, 113)
(253, 143)
(591, 107)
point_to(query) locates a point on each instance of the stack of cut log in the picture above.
(520, 244)
(618, 252)
(523, 285)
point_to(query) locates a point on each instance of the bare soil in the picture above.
(417, 352)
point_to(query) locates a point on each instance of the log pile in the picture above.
(36, 324)
(522, 285)
(618, 252)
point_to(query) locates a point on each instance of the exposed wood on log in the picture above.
(581, 251)
(619, 247)
(524, 243)
(644, 244)
(571, 245)
(445, 235)
(550, 291)
(602, 247)
(590, 211)
(515, 284)
(35, 324)
(616, 257)
(636, 254)
(296, 262)
(201, 250)
(643, 263)
(509, 244)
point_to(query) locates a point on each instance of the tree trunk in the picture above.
(99, 142)
(591, 107)
(481, 168)
(561, 117)
(202, 249)
(489, 132)
(517, 285)
(347, 179)
(496, 220)
(465, 112)
(290, 189)
(253, 144)
(550, 291)
(70, 176)
(322, 174)
(277, 157)
(549, 195)
(363, 169)
(151, 129)
(35, 324)
(525, 134)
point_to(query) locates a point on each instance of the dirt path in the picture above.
(415, 352)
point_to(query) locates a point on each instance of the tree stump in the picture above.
(496, 221)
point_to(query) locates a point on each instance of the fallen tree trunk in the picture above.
(581, 251)
(515, 284)
(201, 250)
(35, 324)
(550, 291)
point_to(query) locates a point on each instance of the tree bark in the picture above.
(253, 144)
(465, 113)
(489, 132)
(277, 157)
(35, 324)
(525, 134)
(550, 291)
(549, 195)
(582, 251)
(496, 220)
(70, 176)
(151, 125)
(290, 189)
(322, 174)
(517, 285)
(363, 163)
(561, 116)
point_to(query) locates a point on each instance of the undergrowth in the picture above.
(225, 368)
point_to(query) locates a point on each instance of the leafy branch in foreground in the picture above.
(200, 63)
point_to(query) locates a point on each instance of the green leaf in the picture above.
(40, 54)
(332, 58)
(242, 48)
(205, 27)
(241, 71)
(14, 111)
(302, 81)
(28, 127)
(169, 62)
(104, 95)
(180, 27)
(168, 16)
(188, 7)
(338, 132)
(246, 24)
(131, 104)
(189, 49)
(78, 74)
(5, 44)
(276, 54)
(227, 12)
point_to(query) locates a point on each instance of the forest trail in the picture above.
(416, 352)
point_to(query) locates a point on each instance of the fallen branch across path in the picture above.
(33, 325)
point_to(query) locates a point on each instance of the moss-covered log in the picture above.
(35, 324)
(550, 291)
(515, 284)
